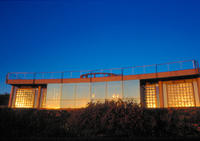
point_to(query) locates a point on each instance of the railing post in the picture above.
(197, 66)
(122, 72)
(62, 76)
(193, 62)
(194, 66)
(34, 77)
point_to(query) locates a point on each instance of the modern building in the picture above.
(175, 84)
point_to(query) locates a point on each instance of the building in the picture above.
(175, 84)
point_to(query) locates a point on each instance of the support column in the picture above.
(38, 97)
(11, 97)
(142, 95)
(198, 83)
(161, 100)
(196, 93)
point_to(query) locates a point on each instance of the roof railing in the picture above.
(155, 68)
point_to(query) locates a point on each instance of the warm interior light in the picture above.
(150, 96)
(24, 98)
(115, 96)
(93, 95)
(180, 94)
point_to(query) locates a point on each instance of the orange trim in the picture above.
(161, 99)
(38, 97)
(103, 79)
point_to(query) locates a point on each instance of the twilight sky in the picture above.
(64, 35)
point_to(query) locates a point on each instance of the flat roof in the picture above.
(165, 70)
(169, 74)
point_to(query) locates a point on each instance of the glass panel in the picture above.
(68, 91)
(150, 96)
(67, 103)
(53, 96)
(24, 98)
(98, 91)
(114, 90)
(180, 94)
(78, 95)
(68, 96)
(132, 90)
(83, 91)
(82, 95)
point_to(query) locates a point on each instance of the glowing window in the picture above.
(150, 96)
(24, 98)
(180, 94)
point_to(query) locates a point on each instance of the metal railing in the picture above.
(156, 68)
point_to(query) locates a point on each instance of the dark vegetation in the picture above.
(109, 119)
(4, 98)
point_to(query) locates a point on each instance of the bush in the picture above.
(118, 118)
(4, 98)
(109, 119)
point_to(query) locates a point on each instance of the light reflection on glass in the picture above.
(78, 95)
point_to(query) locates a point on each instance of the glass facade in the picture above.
(151, 95)
(180, 94)
(25, 98)
(53, 96)
(78, 95)
(174, 93)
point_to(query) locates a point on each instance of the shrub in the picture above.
(112, 118)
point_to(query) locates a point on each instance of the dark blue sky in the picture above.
(90, 34)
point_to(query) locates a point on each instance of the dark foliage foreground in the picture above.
(109, 119)
(4, 98)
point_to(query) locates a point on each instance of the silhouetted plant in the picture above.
(111, 118)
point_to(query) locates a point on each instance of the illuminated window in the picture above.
(24, 98)
(180, 94)
(150, 96)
